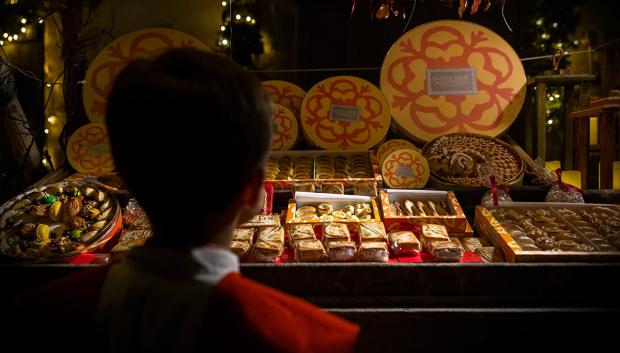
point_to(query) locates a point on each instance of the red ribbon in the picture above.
(563, 185)
(494, 190)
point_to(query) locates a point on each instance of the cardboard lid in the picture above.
(345, 113)
(405, 169)
(113, 57)
(285, 93)
(391, 145)
(452, 76)
(88, 150)
(285, 128)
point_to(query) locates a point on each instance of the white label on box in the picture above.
(344, 112)
(98, 149)
(451, 81)
(404, 171)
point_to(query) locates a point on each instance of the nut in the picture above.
(28, 228)
(71, 209)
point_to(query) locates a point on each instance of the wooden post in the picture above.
(541, 120)
(583, 136)
(568, 128)
(607, 140)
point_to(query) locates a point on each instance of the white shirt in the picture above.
(216, 264)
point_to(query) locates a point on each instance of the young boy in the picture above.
(190, 132)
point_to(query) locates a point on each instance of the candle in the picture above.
(616, 184)
(572, 177)
(593, 131)
(553, 165)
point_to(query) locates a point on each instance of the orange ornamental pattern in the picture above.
(116, 55)
(405, 168)
(285, 93)
(494, 69)
(389, 146)
(285, 129)
(88, 150)
(345, 112)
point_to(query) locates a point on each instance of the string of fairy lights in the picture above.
(241, 17)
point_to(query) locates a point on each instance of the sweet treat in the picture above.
(240, 248)
(56, 220)
(485, 253)
(371, 231)
(309, 250)
(243, 234)
(366, 189)
(447, 251)
(325, 209)
(271, 234)
(305, 210)
(332, 188)
(272, 220)
(307, 187)
(373, 252)
(433, 232)
(341, 250)
(419, 208)
(454, 158)
(335, 232)
(326, 218)
(339, 215)
(471, 244)
(266, 251)
(404, 243)
(297, 232)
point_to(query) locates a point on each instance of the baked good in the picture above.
(309, 250)
(445, 251)
(240, 248)
(335, 232)
(266, 251)
(404, 243)
(244, 234)
(297, 232)
(341, 250)
(270, 220)
(373, 251)
(371, 231)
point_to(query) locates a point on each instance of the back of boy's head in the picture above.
(187, 130)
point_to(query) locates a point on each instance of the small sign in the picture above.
(98, 149)
(343, 112)
(404, 171)
(451, 81)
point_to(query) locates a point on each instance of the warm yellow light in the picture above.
(44, 161)
(551, 98)
(593, 131)
(539, 22)
(253, 21)
(225, 42)
(616, 184)
(248, 19)
(572, 177)
(549, 121)
(47, 131)
(223, 28)
(41, 21)
(553, 165)
(48, 85)
(51, 119)
(238, 17)
(1, 42)
(23, 29)
(10, 39)
(224, 3)
(15, 37)
(5, 35)
(556, 95)
(23, 21)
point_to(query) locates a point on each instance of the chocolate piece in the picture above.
(485, 253)
(404, 243)
(448, 251)
(271, 234)
(373, 252)
(266, 251)
(297, 232)
(335, 232)
(545, 243)
(341, 250)
(244, 234)
(310, 250)
(271, 220)
(240, 248)
(471, 244)
(371, 231)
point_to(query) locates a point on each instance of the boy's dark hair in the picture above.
(187, 128)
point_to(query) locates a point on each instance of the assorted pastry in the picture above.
(318, 167)
(419, 208)
(55, 220)
(404, 243)
(601, 225)
(456, 158)
(326, 212)
(436, 241)
(539, 229)
(269, 244)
